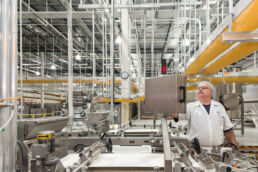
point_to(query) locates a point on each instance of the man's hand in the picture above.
(174, 115)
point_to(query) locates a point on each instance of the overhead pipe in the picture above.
(8, 76)
(70, 60)
(112, 74)
(243, 21)
(93, 50)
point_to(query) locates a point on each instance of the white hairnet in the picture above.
(211, 87)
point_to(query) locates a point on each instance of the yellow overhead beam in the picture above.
(29, 97)
(232, 56)
(246, 21)
(227, 79)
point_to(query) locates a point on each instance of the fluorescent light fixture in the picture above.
(64, 61)
(78, 57)
(186, 42)
(173, 42)
(176, 59)
(191, 59)
(37, 73)
(167, 56)
(118, 40)
(53, 67)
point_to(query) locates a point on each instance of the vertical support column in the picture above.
(13, 84)
(112, 74)
(70, 60)
(125, 62)
(5, 83)
(255, 60)
(217, 19)
(93, 52)
(230, 7)
(144, 21)
(152, 46)
(42, 58)
(208, 18)
(21, 62)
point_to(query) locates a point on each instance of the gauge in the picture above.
(124, 75)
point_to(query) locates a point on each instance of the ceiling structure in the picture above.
(159, 29)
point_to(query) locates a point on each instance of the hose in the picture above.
(7, 122)
(22, 154)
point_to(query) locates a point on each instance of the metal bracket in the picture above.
(166, 146)
(240, 37)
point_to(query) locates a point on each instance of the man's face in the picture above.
(204, 91)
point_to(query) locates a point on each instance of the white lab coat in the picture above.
(208, 128)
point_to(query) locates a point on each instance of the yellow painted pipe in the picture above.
(48, 94)
(29, 97)
(134, 89)
(136, 100)
(234, 55)
(227, 79)
(246, 21)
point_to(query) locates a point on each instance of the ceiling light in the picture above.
(191, 59)
(53, 67)
(37, 73)
(167, 56)
(118, 40)
(62, 60)
(173, 42)
(78, 57)
(176, 59)
(186, 42)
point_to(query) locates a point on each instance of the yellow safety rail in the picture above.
(44, 115)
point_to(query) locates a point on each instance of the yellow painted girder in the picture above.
(246, 21)
(234, 55)
(227, 79)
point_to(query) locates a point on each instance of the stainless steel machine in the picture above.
(152, 145)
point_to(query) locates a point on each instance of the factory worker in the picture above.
(207, 119)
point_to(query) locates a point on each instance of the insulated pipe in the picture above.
(243, 22)
(103, 51)
(70, 60)
(13, 85)
(93, 51)
(8, 75)
(144, 21)
(42, 58)
(21, 61)
(152, 47)
(255, 60)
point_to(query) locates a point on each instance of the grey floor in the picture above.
(250, 137)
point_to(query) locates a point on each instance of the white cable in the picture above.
(8, 121)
